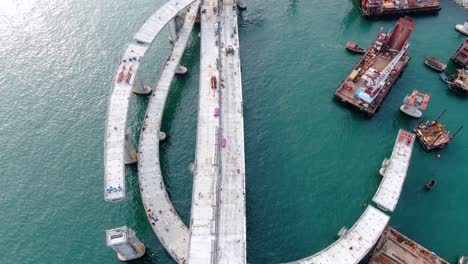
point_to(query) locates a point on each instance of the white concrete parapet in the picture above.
(203, 214)
(114, 143)
(159, 19)
(166, 223)
(356, 243)
(389, 191)
(231, 235)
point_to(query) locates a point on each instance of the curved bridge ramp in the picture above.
(355, 243)
(159, 20)
(114, 168)
(389, 191)
(166, 223)
(114, 142)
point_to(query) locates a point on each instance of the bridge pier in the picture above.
(173, 30)
(180, 70)
(124, 241)
(241, 4)
(139, 88)
(161, 136)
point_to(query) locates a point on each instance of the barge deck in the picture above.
(395, 248)
(375, 74)
(378, 8)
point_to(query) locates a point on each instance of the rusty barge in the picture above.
(374, 75)
(461, 55)
(396, 248)
(382, 8)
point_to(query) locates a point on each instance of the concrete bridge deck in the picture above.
(206, 173)
(217, 226)
(231, 235)
(166, 223)
(121, 91)
(359, 240)
(114, 168)
(356, 243)
(389, 191)
(152, 26)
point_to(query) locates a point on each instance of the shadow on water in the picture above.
(292, 8)
(356, 114)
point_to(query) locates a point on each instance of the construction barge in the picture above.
(433, 135)
(461, 55)
(396, 248)
(459, 82)
(379, 8)
(373, 77)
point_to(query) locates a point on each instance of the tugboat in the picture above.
(462, 28)
(435, 64)
(459, 82)
(433, 134)
(429, 185)
(351, 46)
(414, 103)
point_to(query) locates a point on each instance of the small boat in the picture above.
(429, 185)
(462, 260)
(459, 82)
(462, 28)
(414, 103)
(444, 78)
(351, 46)
(435, 64)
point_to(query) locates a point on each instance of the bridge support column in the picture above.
(162, 136)
(173, 30)
(139, 88)
(241, 4)
(180, 70)
(124, 241)
(130, 155)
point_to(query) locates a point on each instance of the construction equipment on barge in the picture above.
(414, 103)
(396, 248)
(379, 8)
(459, 82)
(373, 77)
(432, 134)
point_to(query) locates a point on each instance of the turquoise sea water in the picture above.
(311, 162)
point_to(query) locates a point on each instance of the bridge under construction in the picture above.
(217, 229)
